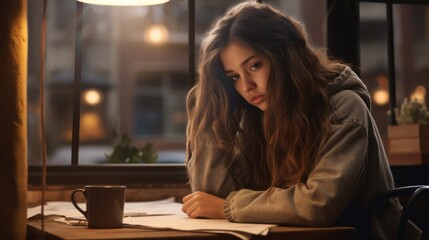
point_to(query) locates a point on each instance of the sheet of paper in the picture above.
(160, 214)
(57, 208)
(180, 221)
(183, 222)
(166, 206)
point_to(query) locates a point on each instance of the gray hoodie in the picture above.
(352, 170)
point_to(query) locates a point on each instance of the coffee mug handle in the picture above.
(74, 201)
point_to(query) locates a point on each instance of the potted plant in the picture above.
(409, 140)
(126, 152)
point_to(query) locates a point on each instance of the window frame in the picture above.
(176, 173)
(127, 174)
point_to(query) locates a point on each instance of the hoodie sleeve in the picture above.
(329, 189)
(211, 171)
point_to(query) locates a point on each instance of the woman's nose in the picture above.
(248, 84)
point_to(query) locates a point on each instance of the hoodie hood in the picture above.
(348, 80)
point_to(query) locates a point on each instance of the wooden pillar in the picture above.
(13, 119)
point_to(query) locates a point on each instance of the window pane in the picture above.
(134, 80)
(411, 38)
(134, 74)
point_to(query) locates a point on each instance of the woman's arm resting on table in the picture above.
(317, 203)
(321, 199)
(210, 170)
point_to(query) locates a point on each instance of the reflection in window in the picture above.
(411, 37)
(148, 115)
(119, 91)
(134, 73)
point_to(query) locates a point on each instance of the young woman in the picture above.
(278, 133)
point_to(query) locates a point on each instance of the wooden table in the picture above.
(56, 230)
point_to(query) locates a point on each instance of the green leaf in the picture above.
(126, 152)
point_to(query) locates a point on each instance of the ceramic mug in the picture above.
(104, 205)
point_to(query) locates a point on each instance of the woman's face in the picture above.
(248, 71)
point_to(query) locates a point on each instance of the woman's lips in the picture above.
(255, 100)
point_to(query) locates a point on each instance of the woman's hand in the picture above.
(201, 204)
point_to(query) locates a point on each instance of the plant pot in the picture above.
(408, 144)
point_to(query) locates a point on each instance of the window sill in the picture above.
(129, 174)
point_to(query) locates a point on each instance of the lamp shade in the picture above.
(124, 2)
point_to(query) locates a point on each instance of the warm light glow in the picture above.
(124, 2)
(91, 127)
(92, 97)
(419, 93)
(156, 34)
(381, 97)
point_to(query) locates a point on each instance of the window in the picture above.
(134, 81)
(411, 37)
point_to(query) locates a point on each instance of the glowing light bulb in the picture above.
(124, 2)
(156, 34)
(419, 93)
(381, 97)
(92, 97)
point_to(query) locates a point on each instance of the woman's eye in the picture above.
(255, 66)
(234, 77)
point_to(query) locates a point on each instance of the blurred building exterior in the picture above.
(135, 67)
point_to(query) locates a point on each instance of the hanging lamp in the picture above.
(124, 2)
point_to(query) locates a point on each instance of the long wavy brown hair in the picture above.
(282, 143)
